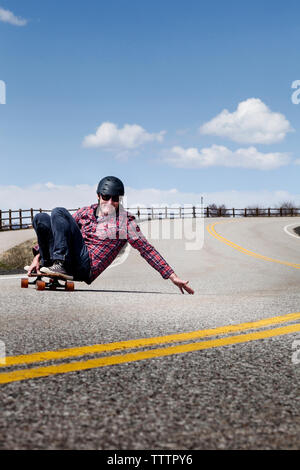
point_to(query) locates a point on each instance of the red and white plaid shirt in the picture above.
(105, 236)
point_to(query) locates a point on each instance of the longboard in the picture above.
(52, 283)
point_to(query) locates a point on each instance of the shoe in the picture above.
(57, 269)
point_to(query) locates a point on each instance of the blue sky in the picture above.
(166, 67)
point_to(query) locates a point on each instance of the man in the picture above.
(82, 246)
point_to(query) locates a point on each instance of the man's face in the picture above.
(107, 205)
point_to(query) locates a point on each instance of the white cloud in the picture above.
(260, 198)
(50, 195)
(218, 155)
(253, 122)
(46, 196)
(8, 17)
(131, 136)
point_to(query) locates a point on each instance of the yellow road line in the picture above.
(211, 229)
(139, 343)
(19, 375)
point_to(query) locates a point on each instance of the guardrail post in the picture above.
(9, 219)
(166, 212)
(245, 212)
(31, 215)
(233, 212)
(20, 218)
(0, 220)
(207, 211)
(194, 212)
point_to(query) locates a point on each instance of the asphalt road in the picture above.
(235, 386)
(10, 238)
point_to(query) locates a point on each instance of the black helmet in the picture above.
(111, 185)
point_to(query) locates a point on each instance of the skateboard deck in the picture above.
(51, 282)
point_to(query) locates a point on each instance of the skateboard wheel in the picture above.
(24, 283)
(69, 286)
(40, 285)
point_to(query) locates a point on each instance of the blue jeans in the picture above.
(60, 238)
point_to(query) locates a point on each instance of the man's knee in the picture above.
(41, 219)
(61, 211)
(60, 216)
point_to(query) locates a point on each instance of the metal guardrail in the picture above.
(23, 218)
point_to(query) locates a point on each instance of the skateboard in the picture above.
(52, 283)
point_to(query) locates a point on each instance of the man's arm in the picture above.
(151, 255)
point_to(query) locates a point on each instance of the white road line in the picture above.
(289, 233)
(12, 277)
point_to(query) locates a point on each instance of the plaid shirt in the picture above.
(105, 236)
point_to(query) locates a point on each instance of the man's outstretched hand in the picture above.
(181, 284)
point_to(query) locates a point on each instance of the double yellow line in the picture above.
(211, 230)
(45, 371)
